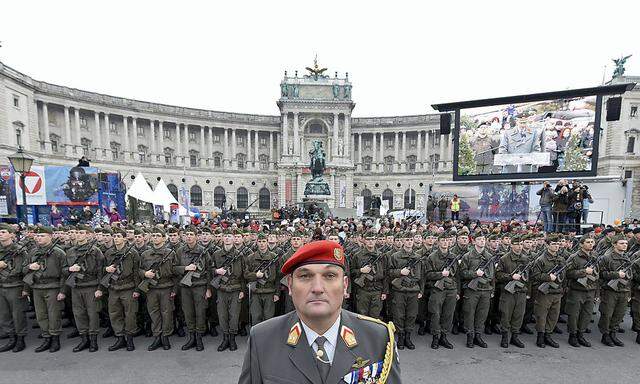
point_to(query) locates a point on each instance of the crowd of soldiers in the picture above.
(438, 277)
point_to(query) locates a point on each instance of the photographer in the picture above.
(560, 205)
(546, 202)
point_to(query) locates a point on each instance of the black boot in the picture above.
(20, 346)
(73, 334)
(504, 341)
(212, 330)
(10, 345)
(487, 330)
(46, 344)
(582, 341)
(93, 343)
(130, 345)
(166, 345)
(400, 343)
(469, 340)
(55, 344)
(455, 330)
(638, 338)
(615, 339)
(225, 343)
(477, 340)
(199, 344)
(191, 343)
(540, 340)
(549, 341)
(573, 340)
(407, 341)
(435, 342)
(232, 342)
(516, 341)
(444, 342)
(119, 344)
(157, 343)
(84, 344)
(526, 330)
(606, 340)
(422, 329)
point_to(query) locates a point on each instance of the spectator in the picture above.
(455, 208)
(83, 162)
(56, 216)
(443, 203)
(113, 215)
(546, 201)
(560, 205)
(86, 215)
(431, 207)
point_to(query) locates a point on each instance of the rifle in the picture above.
(146, 284)
(473, 284)
(593, 263)
(264, 266)
(187, 278)
(9, 260)
(556, 270)
(373, 260)
(615, 283)
(72, 279)
(522, 270)
(115, 276)
(29, 278)
(440, 283)
(215, 282)
(399, 282)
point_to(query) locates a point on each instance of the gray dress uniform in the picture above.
(278, 352)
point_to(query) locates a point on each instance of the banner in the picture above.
(7, 193)
(343, 194)
(35, 186)
(384, 207)
(359, 206)
(72, 185)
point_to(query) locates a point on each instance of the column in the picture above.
(77, 127)
(419, 148)
(178, 145)
(152, 147)
(233, 148)
(404, 151)
(161, 140)
(285, 134)
(68, 145)
(360, 148)
(98, 142)
(203, 153)
(374, 157)
(136, 153)
(125, 133)
(270, 152)
(256, 144)
(225, 155)
(185, 152)
(334, 152)
(107, 137)
(210, 156)
(396, 156)
(46, 132)
(382, 150)
(296, 140)
(346, 134)
(442, 143)
(426, 148)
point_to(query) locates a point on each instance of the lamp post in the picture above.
(21, 163)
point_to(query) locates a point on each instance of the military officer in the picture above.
(13, 293)
(514, 289)
(368, 274)
(582, 276)
(262, 274)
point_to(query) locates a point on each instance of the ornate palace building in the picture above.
(248, 160)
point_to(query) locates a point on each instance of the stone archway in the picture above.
(315, 128)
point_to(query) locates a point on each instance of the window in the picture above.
(219, 197)
(196, 196)
(140, 130)
(366, 163)
(628, 174)
(241, 158)
(436, 139)
(413, 142)
(192, 136)
(217, 159)
(634, 111)
(388, 164)
(264, 198)
(242, 198)
(410, 199)
(113, 128)
(367, 199)
(174, 190)
(86, 146)
(16, 101)
(631, 143)
(367, 144)
(168, 156)
(264, 162)
(216, 138)
(387, 194)
(435, 161)
(166, 134)
(194, 160)
(240, 140)
(389, 143)
(55, 139)
(142, 152)
(316, 129)
(19, 136)
(83, 123)
(411, 163)
(262, 141)
(115, 150)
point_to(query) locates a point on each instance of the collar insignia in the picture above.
(348, 337)
(294, 334)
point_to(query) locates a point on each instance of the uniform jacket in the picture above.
(129, 266)
(414, 281)
(15, 257)
(254, 261)
(576, 270)
(164, 273)
(91, 262)
(235, 272)
(52, 275)
(609, 265)
(433, 267)
(378, 283)
(506, 266)
(540, 272)
(471, 262)
(186, 256)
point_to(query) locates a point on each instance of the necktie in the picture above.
(322, 359)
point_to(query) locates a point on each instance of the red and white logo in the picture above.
(33, 182)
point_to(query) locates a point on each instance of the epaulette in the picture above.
(390, 349)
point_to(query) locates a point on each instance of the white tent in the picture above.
(163, 197)
(140, 190)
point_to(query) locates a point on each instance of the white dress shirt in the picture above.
(331, 335)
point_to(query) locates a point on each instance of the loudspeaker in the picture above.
(445, 124)
(614, 105)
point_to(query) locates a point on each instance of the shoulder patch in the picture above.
(348, 337)
(294, 334)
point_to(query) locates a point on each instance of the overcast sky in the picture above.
(401, 56)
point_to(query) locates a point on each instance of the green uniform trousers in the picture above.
(405, 310)
(160, 307)
(441, 306)
(12, 306)
(48, 311)
(512, 307)
(229, 311)
(194, 307)
(546, 309)
(369, 303)
(475, 309)
(635, 309)
(613, 305)
(579, 309)
(123, 309)
(262, 307)
(85, 310)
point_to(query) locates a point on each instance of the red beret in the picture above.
(316, 252)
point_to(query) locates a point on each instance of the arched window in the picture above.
(219, 197)
(217, 159)
(387, 194)
(174, 190)
(242, 198)
(241, 158)
(409, 199)
(367, 198)
(194, 158)
(196, 196)
(264, 201)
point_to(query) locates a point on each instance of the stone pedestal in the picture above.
(317, 187)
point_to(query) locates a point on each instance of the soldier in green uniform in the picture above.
(509, 273)
(424, 317)
(546, 281)
(458, 246)
(122, 264)
(582, 276)
(228, 268)
(212, 243)
(368, 268)
(407, 284)
(262, 273)
(477, 272)
(194, 260)
(13, 293)
(156, 272)
(441, 269)
(45, 266)
(615, 289)
(295, 242)
(86, 264)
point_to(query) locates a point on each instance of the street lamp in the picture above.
(21, 163)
